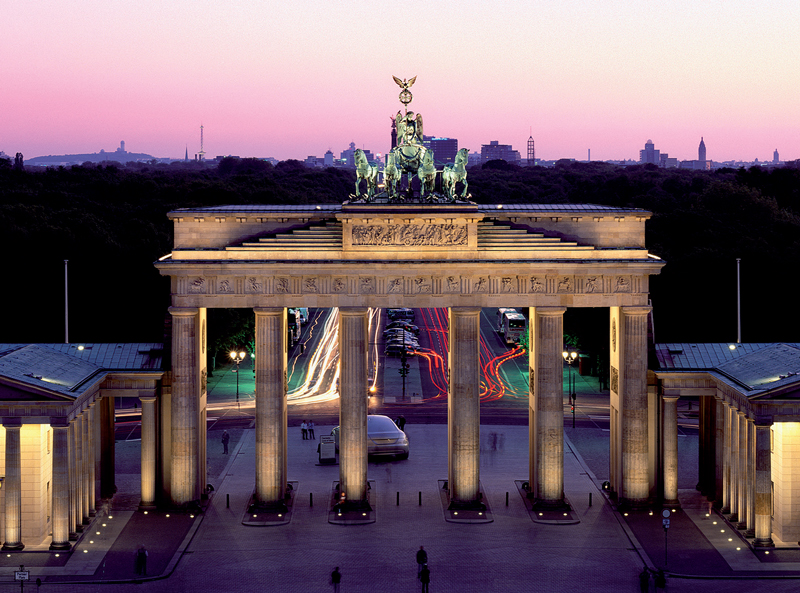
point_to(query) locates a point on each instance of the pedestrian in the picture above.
(336, 578)
(140, 560)
(388, 473)
(311, 430)
(661, 579)
(304, 430)
(401, 422)
(225, 440)
(422, 559)
(425, 577)
(644, 580)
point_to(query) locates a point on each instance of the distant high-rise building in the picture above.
(701, 151)
(496, 151)
(348, 156)
(328, 158)
(121, 146)
(650, 154)
(775, 157)
(531, 151)
(186, 158)
(394, 132)
(444, 149)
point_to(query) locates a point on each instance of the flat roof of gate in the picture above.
(483, 208)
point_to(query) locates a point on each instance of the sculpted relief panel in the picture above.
(443, 235)
(510, 284)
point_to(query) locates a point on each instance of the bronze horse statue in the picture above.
(367, 172)
(454, 173)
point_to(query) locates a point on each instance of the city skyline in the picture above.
(293, 81)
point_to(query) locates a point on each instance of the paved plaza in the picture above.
(213, 551)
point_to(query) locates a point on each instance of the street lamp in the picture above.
(571, 357)
(237, 357)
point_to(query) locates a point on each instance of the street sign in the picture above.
(327, 449)
(665, 522)
(22, 575)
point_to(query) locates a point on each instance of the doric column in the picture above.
(86, 450)
(271, 419)
(719, 452)
(12, 485)
(633, 403)
(148, 453)
(72, 443)
(734, 465)
(463, 406)
(353, 339)
(547, 405)
(670, 444)
(80, 482)
(741, 497)
(185, 405)
(751, 478)
(91, 419)
(726, 459)
(763, 507)
(61, 524)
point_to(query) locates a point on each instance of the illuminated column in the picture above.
(734, 465)
(719, 452)
(463, 406)
(633, 396)
(148, 453)
(12, 485)
(73, 480)
(763, 507)
(185, 405)
(80, 484)
(87, 504)
(742, 472)
(271, 411)
(751, 478)
(353, 340)
(547, 404)
(61, 514)
(91, 419)
(726, 458)
(670, 436)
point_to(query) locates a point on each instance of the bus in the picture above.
(292, 326)
(511, 325)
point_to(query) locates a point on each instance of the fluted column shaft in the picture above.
(353, 339)
(742, 472)
(726, 458)
(185, 405)
(547, 404)
(734, 464)
(148, 453)
(670, 432)
(91, 419)
(635, 474)
(61, 525)
(751, 478)
(74, 520)
(719, 453)
(80, 482)
(463, 405)
(763, 506)
(87, 504)
(12, 485)
(271, 410)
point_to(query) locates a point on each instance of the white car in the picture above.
(383, 437)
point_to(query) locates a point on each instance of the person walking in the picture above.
(311, 430)
(425, 577)
(336, 578)
(140, 560)
(422, 559)
(401, 422)
(661, 579)
(304, 429)
(225, 440)
(644, 580)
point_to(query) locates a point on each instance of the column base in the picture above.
(741, 526)
(633, 504)
(550, 505)
(750, 533)
(765, 542)
(73, 537)
(13, 547)
(147, 506)
(60, 547)
(733, 518)
(671, 504)
(725, 510)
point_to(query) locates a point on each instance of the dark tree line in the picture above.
(110, 222)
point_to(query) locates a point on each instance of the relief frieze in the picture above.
(367, 285)
(339, 285)
(310, 285)
(452, 284)
(253, 285)
(395, 286)
(197, 286)
(422, 285)
(410, 234)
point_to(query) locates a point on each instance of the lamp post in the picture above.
(237, 357)
(571, 357)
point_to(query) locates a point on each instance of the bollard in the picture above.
(227, 501)
(311, 499)
(398, 499)
(506, 498)
(590, 499)
(420, 498)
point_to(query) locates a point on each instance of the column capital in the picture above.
(549, 311)
(59, 422)
(670, 397)
(763, 421)
(269, 310)
(636, 310)
(741, 412)
(12, 422)
(353, 310)
(183, 311)
(465, 310)
(148, 399)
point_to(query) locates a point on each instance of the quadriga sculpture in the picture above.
(456, 173)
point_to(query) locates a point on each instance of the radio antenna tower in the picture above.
(202, 154)
(531, 150)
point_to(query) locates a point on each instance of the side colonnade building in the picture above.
(749, 432)
(57, 408)
(462, 256)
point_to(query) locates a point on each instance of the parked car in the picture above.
(403, 324)
(383, 437)
(397, 349)
(399, 334)
(404, 313)
(408, 340)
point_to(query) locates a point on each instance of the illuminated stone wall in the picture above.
(37, 464)
(786, 480)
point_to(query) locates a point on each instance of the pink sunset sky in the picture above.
(295, 78)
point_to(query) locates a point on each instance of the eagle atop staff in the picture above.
(404, 84)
